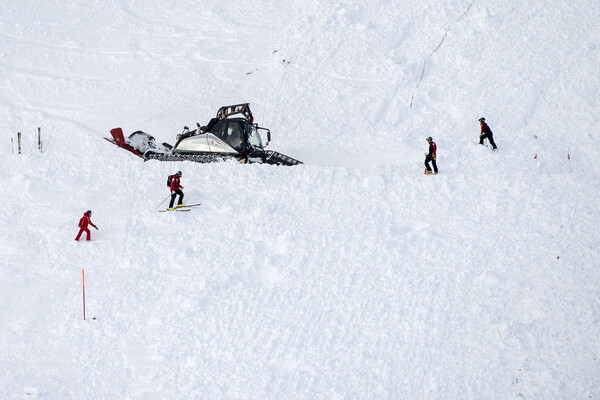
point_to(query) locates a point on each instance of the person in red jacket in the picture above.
(486, 133)
(176, 190)
(430, 157)
(83, 225)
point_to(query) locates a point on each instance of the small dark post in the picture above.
(19, 141)
(40, 139)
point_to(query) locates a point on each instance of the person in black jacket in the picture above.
(486, 133)
(430, 157)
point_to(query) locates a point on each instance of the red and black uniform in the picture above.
(431, 156)
(176, 190)
(83, 226)
(486, 133)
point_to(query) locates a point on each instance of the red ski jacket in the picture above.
(175, 185)
(85, 221)
(485, 129)
(432, 148)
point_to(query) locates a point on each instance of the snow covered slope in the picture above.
(352, 276)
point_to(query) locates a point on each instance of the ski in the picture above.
(187, 207)
(177, 209)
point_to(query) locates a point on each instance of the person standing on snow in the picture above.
(176, 190)
(83, 225)
(430, 157)
(486, 133)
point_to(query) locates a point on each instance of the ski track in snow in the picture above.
(351, 276)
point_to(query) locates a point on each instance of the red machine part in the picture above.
(119, 140)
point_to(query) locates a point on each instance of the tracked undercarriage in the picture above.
(223, 138)
(266, 157)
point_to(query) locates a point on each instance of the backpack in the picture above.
(169, 179)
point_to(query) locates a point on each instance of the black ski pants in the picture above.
(489, 137)
(173, 195)
(431, 159)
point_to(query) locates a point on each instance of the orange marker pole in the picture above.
(83, 287)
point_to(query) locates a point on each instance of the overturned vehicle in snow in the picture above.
(232, 134)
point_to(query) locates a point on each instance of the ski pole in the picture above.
(162, 202)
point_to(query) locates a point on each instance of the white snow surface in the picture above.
(353, 276)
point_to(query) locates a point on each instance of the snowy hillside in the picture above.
(353, 276)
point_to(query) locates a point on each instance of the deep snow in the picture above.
(353, 276)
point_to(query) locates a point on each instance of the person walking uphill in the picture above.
(83, 225)
(486, 133)
(176, 187)
(430, 157)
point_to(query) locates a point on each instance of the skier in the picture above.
(83, 225)
(176, 190)
(431, 156)
(486, 133)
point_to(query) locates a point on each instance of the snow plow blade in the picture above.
(119, 140)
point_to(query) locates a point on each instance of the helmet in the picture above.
(88, 212)
(481, 119)
(429, 139)
(179, 173)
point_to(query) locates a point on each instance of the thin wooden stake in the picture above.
(40, 139)
(19, 140)
(83, 287)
